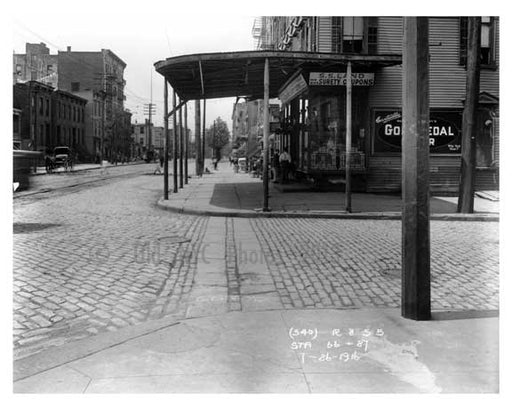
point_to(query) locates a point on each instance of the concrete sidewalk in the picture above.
(224, 193)
(292, 351)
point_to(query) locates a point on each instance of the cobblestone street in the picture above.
(105, 257)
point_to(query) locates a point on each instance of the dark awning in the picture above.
(240, 74)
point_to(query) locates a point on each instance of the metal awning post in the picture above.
(175, 145)
(166, 141)
(203, 147)
(266, 129)
(186, 145)
(348, 136)
(180, 131)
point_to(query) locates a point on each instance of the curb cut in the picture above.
(482, 217)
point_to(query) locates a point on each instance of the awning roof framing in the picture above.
(240, 74)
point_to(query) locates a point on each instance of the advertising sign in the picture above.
(340, 79)
(444, 131)
(296, 87)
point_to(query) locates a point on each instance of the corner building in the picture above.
(313, 112)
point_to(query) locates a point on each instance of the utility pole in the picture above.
(213, 141)
(199, 170)
(415, 171)
(149, 109)
(468, 155)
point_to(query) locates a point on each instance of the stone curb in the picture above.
(483, 217)
(60, 355)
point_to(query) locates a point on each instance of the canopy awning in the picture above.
(240, 74)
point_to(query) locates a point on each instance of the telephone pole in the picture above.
(468, 154)
(415, 171)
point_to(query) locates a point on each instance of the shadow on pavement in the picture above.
(249, 196)
(465, 314)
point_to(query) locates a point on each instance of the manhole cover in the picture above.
(395, 273)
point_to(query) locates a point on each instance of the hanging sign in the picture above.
(340, 79)
(294, 88)
(444, 132)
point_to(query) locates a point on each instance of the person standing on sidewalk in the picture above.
(275, 166)
(284, 162)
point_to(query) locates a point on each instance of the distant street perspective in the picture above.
(319, 213)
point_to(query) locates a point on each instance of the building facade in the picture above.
(314, 103)
(48, 117)
(97, 72)
(37, 64)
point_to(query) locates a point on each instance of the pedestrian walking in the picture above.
(284, 163)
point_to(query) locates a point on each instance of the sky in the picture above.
(140, 37)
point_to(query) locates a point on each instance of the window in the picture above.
(487, 48)
(352, 34)
(372, 35)
(142, 130)
(41, 105)
(336, 35)
(75, 87)
(47, 107)
(49, 68)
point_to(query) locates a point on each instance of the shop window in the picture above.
(487, 47)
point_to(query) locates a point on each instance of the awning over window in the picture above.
(240, 74)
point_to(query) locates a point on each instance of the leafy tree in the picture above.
(217, 136)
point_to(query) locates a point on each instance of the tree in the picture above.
(217, 137)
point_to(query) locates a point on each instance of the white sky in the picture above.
(140, 37)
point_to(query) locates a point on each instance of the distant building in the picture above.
(16, 128)
(99, 71)
(37, 64)
(48, 117)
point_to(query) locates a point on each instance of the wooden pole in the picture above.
(468, 152)
(180, 130)
(348, 141)
(266, 129)
(415, 171)
(199, 170)
(166, 141)
(186, 143)
(175, 145)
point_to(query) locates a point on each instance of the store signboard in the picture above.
(340, 79)
(444, 131)
(296, 87)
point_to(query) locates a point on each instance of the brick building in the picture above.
(48, 117)
(94, 72)
(37, 64)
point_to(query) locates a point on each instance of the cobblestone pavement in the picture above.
(97, 260)
(102, 257)
(319, 263)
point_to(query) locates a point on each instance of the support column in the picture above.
(199, 170)
(175, 145)
(203, 148)
(348, 142)
(186, 145)
(180, 128)
(166, 141)
(415, 171)
(265, 136)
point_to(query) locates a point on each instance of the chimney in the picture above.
(69, 49)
